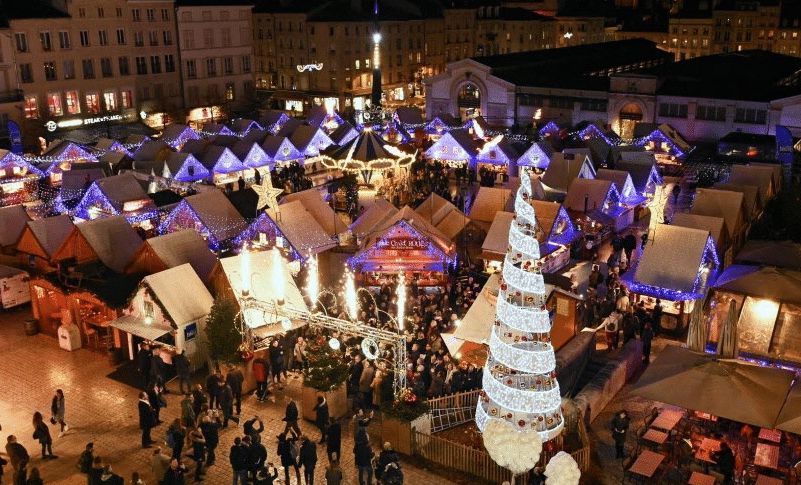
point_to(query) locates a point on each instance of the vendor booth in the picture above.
(538, 156)
(242, 126)
(488, 202)
(751, 198)
(667, 144)
(40, 239)
(440, 125)
(282, 151)
(455, 148)
(373, 219)
(18, 179)
(394, 132)
(320, 210)
(253, 156)
(641, 166)
(112, 196)
(587, 197)
(13, 220)
(408, 243)
(676, 266)
(628, 194)
(160, 314)
(224, 165)
(728, 205)
(344, 133)
(160, 253)
(105, 145)
(443, 215)
(716, 227)
(273, 120)
(497, 156)
(566, 168)
(61, 156)
(211, 214)
(310, 140)
(177, 135)
(108, 240)
(153, 150)
(761, 176)
(184, 167)
(782, 254)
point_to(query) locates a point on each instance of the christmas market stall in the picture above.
(564, 169)
(242, 126)
(177, 135)
(211, 129)
(550, 130)
(440, 125)
(171, 250)
(273, 120)
(455, 148)
(253, 156)
(761, 176)
(18, 179)
(111, 196)
(60, 156)
(372, 219)
(153, 150)
(716, 227)
(596, 207)
(39, 241)
(537, 156)
(641, 166)
(325, 118)
(782, 254)
(320, 210)
(394, 132)
(310, 140)
(282, 151)
(225, 167)
(160, 314)
(13, 219)
(75, 183)
(344, 133)
(489, 201)
(728, 205)
(184, 167)
(677, 266)
(751, 198)
(497, 156)
(289, 127)
(210, 213)
(629, 195)
(443, 215)
(667, 144)
(407, 243)
(105, 145)
(106, 242)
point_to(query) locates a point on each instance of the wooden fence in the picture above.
(452, 410)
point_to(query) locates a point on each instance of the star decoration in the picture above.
(268, 195)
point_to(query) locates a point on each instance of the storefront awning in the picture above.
(137, 326)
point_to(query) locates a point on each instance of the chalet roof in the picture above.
(672, 257)
(716, 226)
(721, 203)
(13, 219)
(50, 232)
(373, 217)
(183, 247)
(171, 288)
(112, 239)
(489, 201)
(319, 210)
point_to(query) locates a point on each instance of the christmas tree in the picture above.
(519, 382)
(324, 368)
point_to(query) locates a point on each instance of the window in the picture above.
(189, 39)
(191, 69)
(673, 110)
(186, 17)
(119, 12)
(124, 67)
(84, 35)
(139, 38)
(228, 65)
(92, 103)
(81, 12)
(31, 107)
(245, 63)
(105, 67)
(155, 64)
(208, 38)
(167, 36)
(137, 15)
(151, 14)
(169, 63)
(154, 37)
(64, 39)
(165, 14)
(229, 91)
(102, 37)
(593, 104)
(69, 69)
(141, 65)
(356, 64)
(44, 38)
(88, 69)
(561, 102)
(211, 67)
(54, 104)
(73, 105)
(751, 116)
(206, 15)
(120, 37)
(50, 71)
(100, 12)
(26, 73)
(110, 99)
(22, 41)
(225, 37)
(127, 99)
(711, 113)
(399, 58)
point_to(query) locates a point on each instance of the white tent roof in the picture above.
(300, 228)
(488, 202)
(51, 231)
(715, 225)
(721, 203)
(135, 325)
(217, 213)
(13, 219)
(380, 211)
(497, 240)
(182, 247)
(319, 210)
(672, 257)
(172, 286)
(477, 323)
(434, 208)
(565, 168)
(113, 240)
(453, 223)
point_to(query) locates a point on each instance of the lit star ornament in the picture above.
(268, 195)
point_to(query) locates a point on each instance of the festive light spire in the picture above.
(519, 382)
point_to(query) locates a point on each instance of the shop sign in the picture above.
(190, 332)
(406, 244)
(52, 125)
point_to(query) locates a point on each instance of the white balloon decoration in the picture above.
(518, 451)
(562, 470)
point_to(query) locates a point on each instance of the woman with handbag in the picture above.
(57, 412)
(42, 433)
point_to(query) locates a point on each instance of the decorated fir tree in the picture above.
(324, 369)
(519, 382)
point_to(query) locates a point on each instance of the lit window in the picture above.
(110, 98)
(73, 105)
(54, 104)
(127, 100)
(31, 107)
(92, 103)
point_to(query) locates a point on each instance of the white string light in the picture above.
(350, 296)
(312, 282)
(401, 293)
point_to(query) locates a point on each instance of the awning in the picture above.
(137, 326)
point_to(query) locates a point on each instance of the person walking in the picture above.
(86, 459)
(611, 331)
(19, 458)
(183, 370)
(725, 461)
(308, 458)
(363, 456)
(333, 440)
(620, 425)
(159, 464)
(42, 433)
(234, 379)
(175, 475)
(198, 452)
(322, 417)
(238, 457)
(289, 453)
(147, 420)
(175, 436)
(198, 399)
(57, 411)
(647, 337)
(291, 416)
(226, 397)
(333, 474)
(210, 426)
(261, 372)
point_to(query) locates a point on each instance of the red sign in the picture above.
(406, 244)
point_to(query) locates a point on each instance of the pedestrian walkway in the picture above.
(104, 411)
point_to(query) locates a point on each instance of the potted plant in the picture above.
(400, 416)
(324, 374)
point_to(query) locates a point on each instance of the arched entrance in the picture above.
(630, 115)
(468, 101)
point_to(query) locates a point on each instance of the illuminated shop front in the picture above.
(207, 114)
(18, 179)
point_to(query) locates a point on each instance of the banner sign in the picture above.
(406, 244)
(784, 153)
(16, 137)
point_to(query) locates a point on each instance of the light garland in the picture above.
(351, 303)
(313, 282)
(401, 295)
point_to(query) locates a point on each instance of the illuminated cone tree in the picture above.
(519, 382)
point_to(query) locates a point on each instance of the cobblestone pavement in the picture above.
(104, 411)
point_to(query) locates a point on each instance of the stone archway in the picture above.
(462, 87)
(629, 115)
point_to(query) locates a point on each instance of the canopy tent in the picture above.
(672, 265)
(783, 254)
(153, 150)
(732, 389)
(13, 220)
(715, 225)
(454, 147)
(242, 126)
(366, 151)
(319, 209)
(280, 149)
(273, 120)
(177, 135)
(622, 180)
(109, 239)
(210, 213)
(293, 229)
(372, 218)
(565, 168)
(751, 197)
(489, 201)
(722, 203)
(172, 250)
(776, 284)
(538, 155)
(185, 168)
(310, 140)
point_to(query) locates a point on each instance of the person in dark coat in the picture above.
(620, 425)
(213, 388)
(42, 433)
(647, 336)
(19, 458)
(308, 458)
(257, 454)
(388, 468)
(239, 457)
(147, 419)
(182, 368)
(198, 399)
(321, 417)
(156, 399)
(86, 459)
(156, 368)
(355, 375)
(251, 430)
(363, 456)
(291, 416)
(175, 475)
(210, 426)
(725, 460)
(276, 361)
(143, 364)
(234, 378)
(656, 317)
(226, 397)
(284, 451)
(333, 440)
(96, 472)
